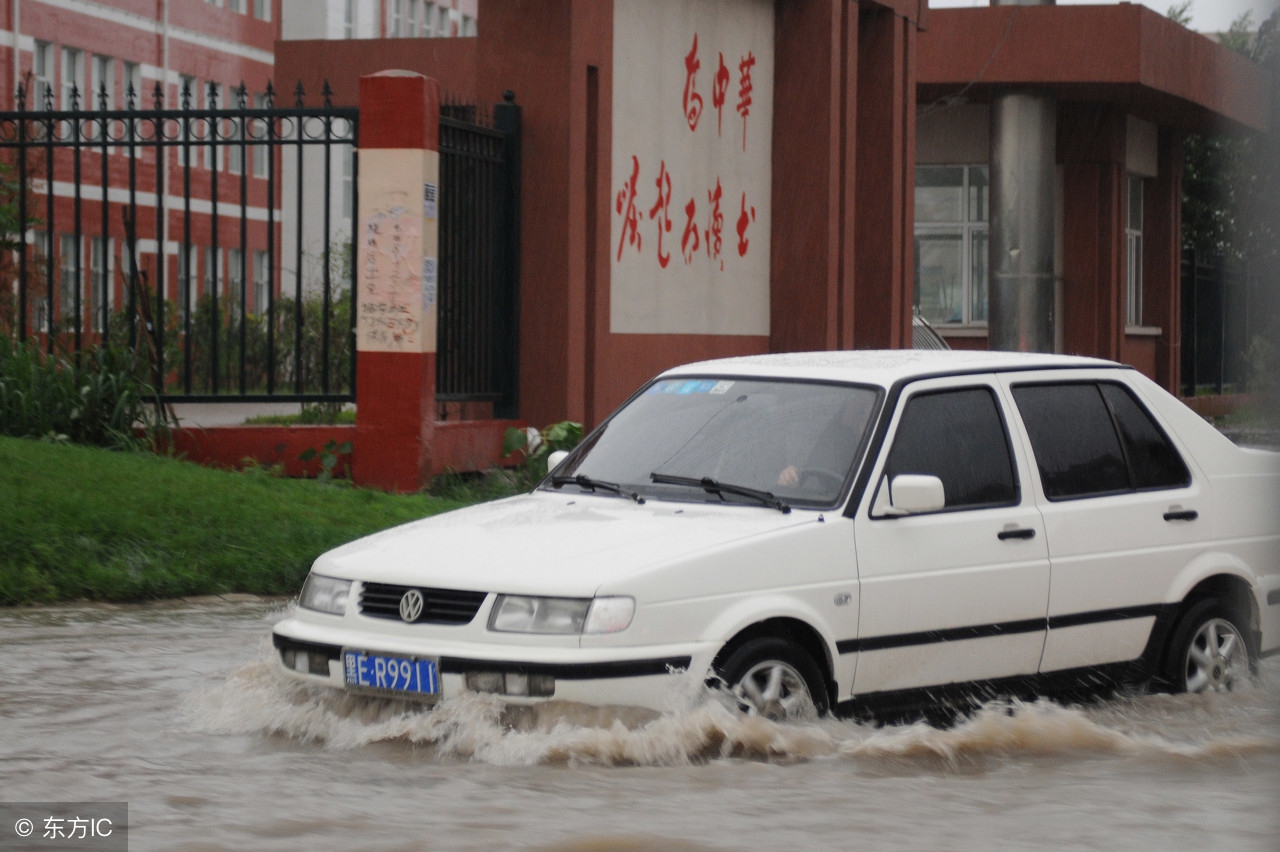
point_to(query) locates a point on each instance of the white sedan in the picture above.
(838, 530)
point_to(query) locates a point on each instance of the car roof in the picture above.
(882, 366)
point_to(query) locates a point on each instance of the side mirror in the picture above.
(553, 460)
(913, 494)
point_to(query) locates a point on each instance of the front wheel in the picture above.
(1208, 651)
(775, 678)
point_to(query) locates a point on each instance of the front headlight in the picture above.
(563, 616)
(325, 594)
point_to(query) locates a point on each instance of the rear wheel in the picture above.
(775, 678)
(1208, 651)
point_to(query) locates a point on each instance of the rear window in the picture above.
(1094, 438)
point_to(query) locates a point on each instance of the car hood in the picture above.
(552, 544)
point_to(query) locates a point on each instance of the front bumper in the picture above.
(656, 677)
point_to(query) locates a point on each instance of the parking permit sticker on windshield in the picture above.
(685, 387)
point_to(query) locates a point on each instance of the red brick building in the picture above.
(866, 97)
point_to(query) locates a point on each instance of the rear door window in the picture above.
(1092, 439)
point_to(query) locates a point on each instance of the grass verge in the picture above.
(85, 523)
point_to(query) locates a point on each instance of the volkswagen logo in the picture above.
(411, 605)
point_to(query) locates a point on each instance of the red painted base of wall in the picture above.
(237, 447)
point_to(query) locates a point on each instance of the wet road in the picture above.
(176, 708)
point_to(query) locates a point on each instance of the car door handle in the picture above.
(1005, 535)
(1181, 515)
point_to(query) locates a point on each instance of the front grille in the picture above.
(441, 606)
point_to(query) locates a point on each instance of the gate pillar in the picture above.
(396, 251)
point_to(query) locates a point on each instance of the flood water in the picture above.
(176, 709)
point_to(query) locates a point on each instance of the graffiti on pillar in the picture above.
(391, 291)
(675, 170)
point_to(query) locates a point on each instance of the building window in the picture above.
(236, 6)
(40, 257)
(99, 281)
(42, 72)
(213, 99)
(396, 27)
(258, 130)
(261, 281)
(428, 18)
(102, 83)
(233, 132)
(347, 154)
(186, 279)
(235, 278)
(468, 26)
(349, 19)
(213, 271)
(72, 75)
(1133, 254)
(262, 10)
(411, 19)
(951, 244)
(133, 94)
(69, 268)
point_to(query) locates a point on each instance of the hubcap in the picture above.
(1212, 658)
(775, 690)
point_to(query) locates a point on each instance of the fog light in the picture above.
(511, 683)
(287, 655)
(485, 682)
(302, 662)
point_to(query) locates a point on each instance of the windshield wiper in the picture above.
(712, 486)
(589, 484)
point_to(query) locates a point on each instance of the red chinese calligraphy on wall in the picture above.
(661, 211)
(626, 205)
(745, 218)
(719, 91)
(744, 92)
(692, 102)
(715, 225)
(693, 238)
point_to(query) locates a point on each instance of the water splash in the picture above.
(259, 700)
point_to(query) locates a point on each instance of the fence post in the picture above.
(396, 247)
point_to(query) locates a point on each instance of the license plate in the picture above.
(397, 674)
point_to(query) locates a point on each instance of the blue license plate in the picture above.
(397, 674)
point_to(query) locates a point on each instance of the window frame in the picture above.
(43, 72)
(72, 62)
(967, 228)
(1134, 188)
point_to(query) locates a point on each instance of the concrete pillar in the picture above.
(1022, 229)
(396, 253)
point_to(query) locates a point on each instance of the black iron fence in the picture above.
(476, 358)
(215, 237)
(1230, 316)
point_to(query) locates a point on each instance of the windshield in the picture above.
(795, 440)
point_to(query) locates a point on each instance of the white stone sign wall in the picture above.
(692, 166)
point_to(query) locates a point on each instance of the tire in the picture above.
(774, 678)
(1208, 651)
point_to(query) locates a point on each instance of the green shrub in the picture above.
(95, 398)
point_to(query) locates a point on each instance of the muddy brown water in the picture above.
(176, 708)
